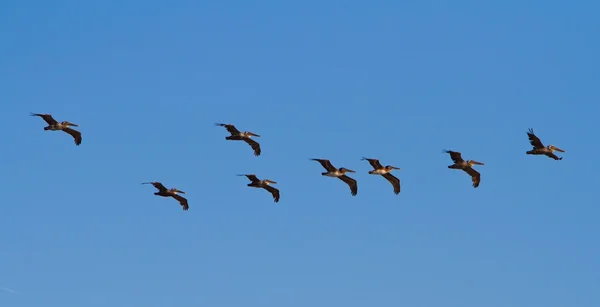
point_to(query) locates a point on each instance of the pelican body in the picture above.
(263, 184)
(340, 173)
(173, 192)
(54, 125)
(245, 136)
(385, 172)
(466, 166)
(540, 149)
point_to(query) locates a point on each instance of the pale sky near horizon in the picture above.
(394, 80)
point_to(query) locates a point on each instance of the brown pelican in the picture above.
(265, 184)
(540, 149)
(53, 125)
(466, 166)
(379, 169)
(245, 136)
(164, 192)
(339, 173)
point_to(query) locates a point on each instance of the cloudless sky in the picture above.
(393, 80)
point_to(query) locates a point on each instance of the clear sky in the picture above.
(394, 80)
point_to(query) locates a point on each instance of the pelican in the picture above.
(164, 192)
(265, 184)
(466, 166)
(379, 169)
(339, 173)
(53, 125)
(540, 149)
(245, 136)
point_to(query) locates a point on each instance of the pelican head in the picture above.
(345, 170)
(553, 148)
(66, 123)
(390, 167)
(472, 162)
(267, 181)
(251, 133)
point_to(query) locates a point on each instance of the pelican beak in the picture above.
(71, 124)
(253, 134)
(271, 181)
(179, 191)
(478, 163)
(558, 149)
(350, 171)
(393, 167)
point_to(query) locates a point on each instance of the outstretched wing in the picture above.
(475, 176)
(534, 140)
(394, 181)
(75, 134)
(252, 177)
(455, 156)
(553, 156)
(374, 163)
(182, 201)
(273, 191)
(157, 185)
(231, 128)
(47, 117)
(351, 182)
(255, 146)
(326, 164)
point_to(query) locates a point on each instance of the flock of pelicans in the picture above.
(331, 171)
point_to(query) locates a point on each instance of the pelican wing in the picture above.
(47, 117)
(252, 177)
(394, 181)
(374, 163)
(553, 156)
(182, 201)
(475, 176)
(254, 144)
(231, 128)
(157, 185)
(326, 164)
(75, 134)
(351, 182)
(455, 156)
(534, 140)
(273, 191)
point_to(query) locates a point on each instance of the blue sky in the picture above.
(394, 80)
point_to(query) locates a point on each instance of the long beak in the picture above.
(558, 149)
(393, 167)
(253, 134)
(478, 163)
(179, 191)
(71, 124)
(271, 181)
(350, 171)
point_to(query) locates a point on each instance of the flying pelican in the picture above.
(164, 192)
(466, 166)
(540, 149)
(245, 136)
(265, 184)
(53, 125)
(379, 169)
(339, 173)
